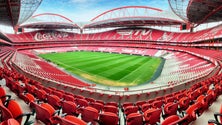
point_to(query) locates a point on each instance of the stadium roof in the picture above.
(129, 16)
(204, 11)
(4, 39)
(15, 12)
(198, 11)
(49, 21)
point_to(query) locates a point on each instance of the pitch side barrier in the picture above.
(120, 96)
(159, 70)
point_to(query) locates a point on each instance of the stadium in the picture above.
(129, 65)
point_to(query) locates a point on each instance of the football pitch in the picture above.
(107, 68)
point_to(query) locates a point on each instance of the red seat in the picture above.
(134, 119)
(179, 96)
(5, 113)
(3, 95)
(159, 98)
(38, 85)
(1, 102)
(130, 109)
(184, 103)
(10, 121)
(169, 120)
(145, 107)
(217, 91)
(58, 93)
(44, 112)
(91, 100)
(213, 94)
(126, 104)
(31, 89)
(190, 116)
(112, 103)
(151, 101)
(100, 101)
(140, 103)
(41, 95)
(204, 101)
(48, 90)
(110, 108)
(219, 87)
(9, 82)
(17, 88)
(170, 109)
(152, 116)
(69, 108)
(157, 104)
(81, 102)
(13, 110)
(108, 118)
(68, 97)
(79, 97)
(169, 99)
(90, 114)
(193, 95)
(97, 106)
(203, 89)
(68, 120)
(181, 121)
(27, 97)
(54, 101)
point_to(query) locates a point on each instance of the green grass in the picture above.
(105, 68)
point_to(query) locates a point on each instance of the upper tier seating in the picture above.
(120, 34)
(179, 67)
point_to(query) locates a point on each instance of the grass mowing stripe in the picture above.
(148, 75)
(106, 68)
(94, 62)
(69, 56)
(84, 58)
(111, 64)
(151, 71)
(85, 67)
(121, 70)
(134, 73)
(63, 62)
(89, 58)
(127, 69)
(90, 67)
(143, 70)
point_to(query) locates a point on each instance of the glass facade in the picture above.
(27, 8)
(179, 7)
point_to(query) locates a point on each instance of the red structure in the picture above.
(132, 16)
(15, 12)
(191, 87)
(197, 11)
(49, 21)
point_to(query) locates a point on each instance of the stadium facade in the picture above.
(192, 58)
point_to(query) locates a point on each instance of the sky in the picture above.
(85, 10)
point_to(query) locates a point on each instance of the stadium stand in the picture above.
(146, 35)
(189, 84)
(187, 118)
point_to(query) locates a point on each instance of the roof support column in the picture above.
(10, 12)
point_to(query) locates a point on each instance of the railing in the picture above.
(108, 90)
